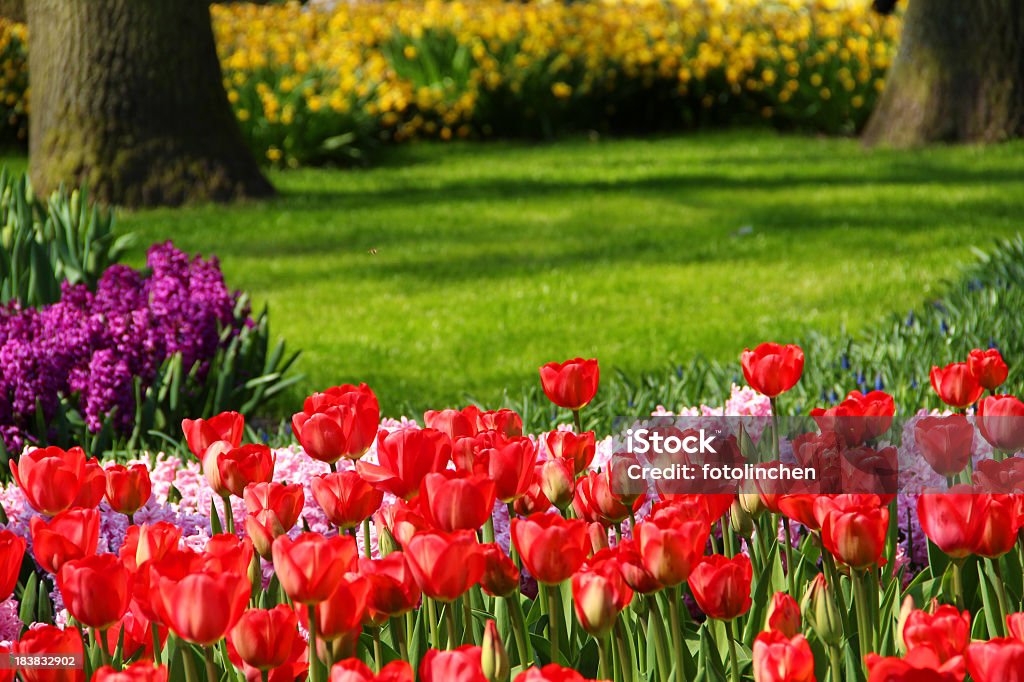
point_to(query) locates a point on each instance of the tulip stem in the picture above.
(734, 663)
(1000, 585)
(190, 664)
(378, 653)
(98, 637)
(314, 669)
(366, 538)
(435, 636)
(604, 669)
(625, 656)
(833, 584)
(864, 634)
(554, 618)
(449, 617)
(156, 641)
(264, 676)
(515, 612)
(229, 515)
(790, 565)
(398, 624)
(578, 421)
(835, 664)
(211, 667)
(657, 625)
(677, 633)
(958, 583)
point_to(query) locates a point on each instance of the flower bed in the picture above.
(462, 549)
(310, 85)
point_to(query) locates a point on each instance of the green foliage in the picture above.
(64, 239)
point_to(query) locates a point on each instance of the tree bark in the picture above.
(958, 75)
(127, 97)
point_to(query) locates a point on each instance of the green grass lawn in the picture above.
(453, 271)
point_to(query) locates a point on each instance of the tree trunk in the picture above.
(127, 96)
(958, 75)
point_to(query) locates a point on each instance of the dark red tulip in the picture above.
(311, 566)
(404, 458)
(72, 534)
(128, 488)
(721, 586)
(568, 445)
(202, 433)
(500, 577)
(96, 589)
(955, 384)
(452, 502)
(988, 367)
(1006, 476)
(946, 443)
(445, 565)
(552, 548)
(1001, 422)
(94, 485)
(50, 478)
(340, 422)
(570, 384)
(12, 553)
(772, 369)
(393, 588)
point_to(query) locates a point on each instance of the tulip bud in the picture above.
(212, 471)
(740, 520)
(752, 504)
(905, 610)
(783, 615)
(386, 541)
(557, 481)
(821, 612)
(494, 658)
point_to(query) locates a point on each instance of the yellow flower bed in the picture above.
(311, 85)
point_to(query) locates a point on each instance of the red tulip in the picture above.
(919, 665)
(228, 553)
(534, 501)
(552, 672)
(999, 526)
(354, 670)
(568, 445)
(342, 614)
(273, 509)
(238, 467)
(405, 457)
(346, 498)
(341, 422)
(595, 501)
(671, 546)
(558, 482)
(393, 588)
(451, 502)
(988, 367)
(311, 566)
(505, 422)
(552, 548)
(94, 485)
(800, 508)
(203, 606)
(461, 665)
(570, 384)
(947, 632)
(1001, 422)
(771, 368)
(143, 671)
(174, 565)
(72, 534)
(12, 553)
(128, 488)
(511, 467)
(151, 541)
(264, 638)
(50, 478)
(783, 615)
(49, 640)
(953, 521)
(1006, 476)
(445, 565)
(853, 528)
(956, 385)
(96, 589)
(455, 424)
(631, 565)
(782, 658)
(500, 577)
(997, 660)
(1015, 625)
(858, 418)
(400, 521)
(721, 586)
(202, 433)
(599, 596)
(946, 443)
